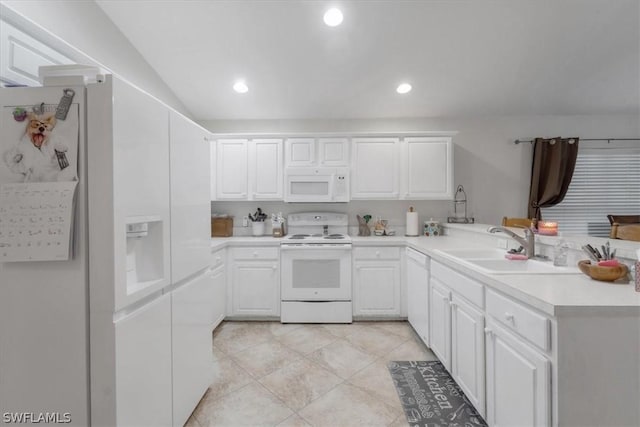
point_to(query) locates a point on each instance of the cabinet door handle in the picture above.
(453, 304)
(488, 332)
(508, 317)
(445, 299)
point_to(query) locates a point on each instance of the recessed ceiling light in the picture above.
(333, 17)
(240, 87)
(404, 88)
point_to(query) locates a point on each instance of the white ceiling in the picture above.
(463, 58)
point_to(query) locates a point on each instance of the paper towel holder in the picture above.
(460, 208)
(412, 215)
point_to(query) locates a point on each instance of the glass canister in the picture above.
(432, 228)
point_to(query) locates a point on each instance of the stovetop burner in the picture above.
(317, 236)
(313, 228)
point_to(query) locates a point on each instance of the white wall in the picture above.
(80, 29)
(494, 171)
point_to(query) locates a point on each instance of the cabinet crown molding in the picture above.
(358, 134)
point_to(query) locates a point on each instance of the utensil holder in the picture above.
(258, 228)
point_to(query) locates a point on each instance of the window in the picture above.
(606, 181)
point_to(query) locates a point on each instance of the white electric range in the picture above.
(316, 269)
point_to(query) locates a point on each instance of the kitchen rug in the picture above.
(430, 397)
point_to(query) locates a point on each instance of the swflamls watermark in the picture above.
(36, 417)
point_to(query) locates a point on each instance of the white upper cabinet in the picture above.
(427, 168)
(381, 167)
(375, 168)
(190, 206)
(248, 169)
(21, 55)
(300, 152)
(266, 169)
(232, 179)
(333, 151)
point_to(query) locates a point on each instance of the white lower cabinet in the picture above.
(518, 381)
(418, 293)
(143, 365)
(254, 280)
(457, 330)
(467, 350)
(219, 283)
(440, 322)
(376, 282)
(191, 320)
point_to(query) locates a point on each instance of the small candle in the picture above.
(548, 228)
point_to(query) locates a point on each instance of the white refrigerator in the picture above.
(119, 334)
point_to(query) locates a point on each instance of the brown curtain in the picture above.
(553, 163)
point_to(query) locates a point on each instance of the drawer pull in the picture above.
(509, 317)
(378, 254)
(274, 268)
(255, 254)
(445, 299)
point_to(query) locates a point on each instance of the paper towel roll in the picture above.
(412, 224)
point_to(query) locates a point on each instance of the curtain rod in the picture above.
(530, 141)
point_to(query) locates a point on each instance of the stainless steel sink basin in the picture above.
(506, 266)
(492, 261)
(476, 253)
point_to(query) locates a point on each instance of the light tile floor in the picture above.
(334, 375)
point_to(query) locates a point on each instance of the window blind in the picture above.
(605, 181)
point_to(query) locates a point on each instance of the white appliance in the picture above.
(122, 328)
(316, 269)
(418, 293)
(316, 184)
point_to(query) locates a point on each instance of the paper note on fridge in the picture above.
(36, 221)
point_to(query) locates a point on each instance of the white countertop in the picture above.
(555, 295)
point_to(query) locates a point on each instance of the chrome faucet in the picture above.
(528, 242)
(325, 230)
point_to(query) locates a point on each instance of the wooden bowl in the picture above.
(604, 274)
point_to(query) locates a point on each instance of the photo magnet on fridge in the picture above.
(40, 147)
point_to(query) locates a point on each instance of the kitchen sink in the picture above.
(492, 261)
(506, 266)
(476, 253)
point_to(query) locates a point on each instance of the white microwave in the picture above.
(316, 185)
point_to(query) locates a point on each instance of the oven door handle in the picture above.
(315, 247)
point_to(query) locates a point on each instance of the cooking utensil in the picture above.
(590, 252)
(598, 254)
